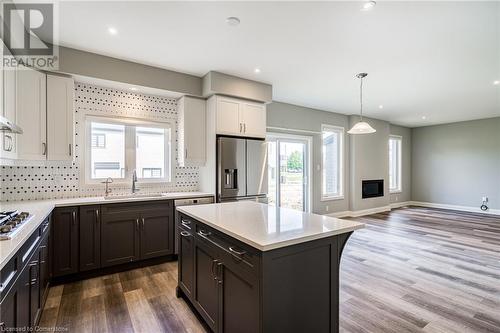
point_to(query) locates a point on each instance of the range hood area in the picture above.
(8, 126)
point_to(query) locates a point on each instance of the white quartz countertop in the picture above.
(40, 209)
(266, 227)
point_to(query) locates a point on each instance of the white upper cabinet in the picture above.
(31, 114)
(253, 118)
(228, 110)
(8, 141)
(240, 118)
(191, 132)
(60, 118)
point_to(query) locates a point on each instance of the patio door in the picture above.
(288, 171)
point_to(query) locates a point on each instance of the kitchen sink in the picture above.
(135, 196)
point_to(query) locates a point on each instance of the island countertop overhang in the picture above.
(266, 227)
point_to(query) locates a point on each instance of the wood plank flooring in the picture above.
(410, 270)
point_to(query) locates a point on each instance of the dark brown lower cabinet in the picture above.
(119, 239)
(186, 260)
(157, 233)
(64, 241)
(90, 237)
(206, 296)
(22, 297)
(237, 288)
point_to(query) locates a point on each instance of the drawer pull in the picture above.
(203, 233)
(185, 234)
(27, 253)
(233, 250)
(213, 268)
(186, 223)
(7, 281)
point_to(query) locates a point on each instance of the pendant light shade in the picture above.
(361, 127)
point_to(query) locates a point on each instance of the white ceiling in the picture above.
(432, 59)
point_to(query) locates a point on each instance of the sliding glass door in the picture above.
(288, 168)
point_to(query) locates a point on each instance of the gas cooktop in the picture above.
(11, 222)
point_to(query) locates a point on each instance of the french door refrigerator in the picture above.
(241, 169)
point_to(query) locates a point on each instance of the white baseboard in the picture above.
(394, 205)
(455, 207)
(358, 213)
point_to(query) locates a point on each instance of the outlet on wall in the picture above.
(485, 199)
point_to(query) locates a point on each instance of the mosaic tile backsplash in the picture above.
(53, 180)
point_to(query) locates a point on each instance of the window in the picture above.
(395, 164)
(332, 162)
(117, 147)
(99, 140)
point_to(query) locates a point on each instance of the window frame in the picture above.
(399, 188)
(130, 154)
(340, 194)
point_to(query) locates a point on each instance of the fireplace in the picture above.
(372, 188)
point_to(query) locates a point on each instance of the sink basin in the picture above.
(135, 196)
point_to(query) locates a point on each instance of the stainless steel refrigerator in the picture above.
(241, 169)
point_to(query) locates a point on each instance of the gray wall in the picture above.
(457, 163)
(300, 118)
(405, 133)
(369, 159)
(83, 63)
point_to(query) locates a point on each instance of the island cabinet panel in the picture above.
(206, 295)
(238, 288)
(90, 237)
(186, 260)
(65, 241)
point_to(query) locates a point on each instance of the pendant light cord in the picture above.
(361, 97)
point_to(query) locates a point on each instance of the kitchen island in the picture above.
(250, 267)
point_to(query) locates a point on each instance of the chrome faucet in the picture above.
(134, 180)
(108, 181)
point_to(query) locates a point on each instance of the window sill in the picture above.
(339, 197)
(395, 191)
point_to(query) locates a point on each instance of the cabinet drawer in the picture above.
(8, 275)
(231, 250)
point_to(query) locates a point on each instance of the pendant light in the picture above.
(361, 127)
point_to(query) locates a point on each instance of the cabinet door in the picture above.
(22, 315)
(44, 269)
(8, 310)
(191, 134)
(206, 286)
(90, 237)
(186, 261)
(253, 117)
(119, 238)
(8, 143)
(157, 237)
(60, 118)
(64, 241)
(31, 114)
(35, 301)
(228, 113)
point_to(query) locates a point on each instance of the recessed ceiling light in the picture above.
(133, 88)
(112, 31)
(233, 21)
(257, 70)
(496, 83)
(369, 5)
(424, 117)
(380, 106)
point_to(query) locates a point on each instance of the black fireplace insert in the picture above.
(372, 188)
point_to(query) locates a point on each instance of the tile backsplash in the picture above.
(26, 180)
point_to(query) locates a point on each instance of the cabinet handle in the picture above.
(241, 127)
(233, 250)
(186, 224)
(244, 127)
(212, 269)
(74, 217)
(70, 149)
(44, 148)
(143, 223)
(185, 153)
(137, 224)
(185, 233)
(204, 233)
(9, 146)
(219, 272)
(97, 216)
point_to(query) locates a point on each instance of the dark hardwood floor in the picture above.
(410, 270)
